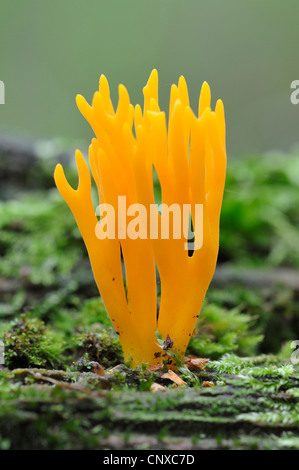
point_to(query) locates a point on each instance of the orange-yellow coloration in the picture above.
(190, 159)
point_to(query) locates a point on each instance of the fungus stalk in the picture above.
(189, 157)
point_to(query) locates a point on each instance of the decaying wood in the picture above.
(22, 165)
(233, 414)
(256, 278)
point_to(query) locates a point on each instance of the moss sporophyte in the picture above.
(189, 157)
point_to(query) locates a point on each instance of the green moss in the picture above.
(28, 342)
(103, 347)
(221, 331)
(92, 418)
(233, 364)
(285, 418)
(38, 237)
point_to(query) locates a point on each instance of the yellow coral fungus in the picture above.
(190, 160)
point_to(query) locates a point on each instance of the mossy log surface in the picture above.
(256, 408)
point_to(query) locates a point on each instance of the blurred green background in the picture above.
(247, 51)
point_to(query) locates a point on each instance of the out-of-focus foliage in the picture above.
(37, 239)
(260, 214)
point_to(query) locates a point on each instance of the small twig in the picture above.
(59, 383)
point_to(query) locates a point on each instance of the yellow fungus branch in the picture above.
(190, 159)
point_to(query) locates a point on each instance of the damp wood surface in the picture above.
(248, 409)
